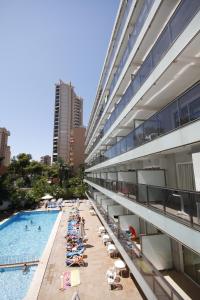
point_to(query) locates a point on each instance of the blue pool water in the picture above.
(15, 240)
(16, 244)
(14, 283)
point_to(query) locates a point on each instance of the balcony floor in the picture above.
(181, 282)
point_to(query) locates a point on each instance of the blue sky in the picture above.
(43, 41)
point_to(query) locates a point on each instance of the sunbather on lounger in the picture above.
(74, 246)
(71, 254)
(76, 260)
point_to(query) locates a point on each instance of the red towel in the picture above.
(132, 231)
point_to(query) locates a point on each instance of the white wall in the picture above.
(99, 198)
(112, 176)
(106, 202)
(157, 248)
(168, 163)
(151, 229)
(152, 177)
(103, 175)
(127, 176)
(96, 194)
(115, 210)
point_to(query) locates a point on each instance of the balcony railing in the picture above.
(116, 41)
(181, 205)
(176, 25)
(145, 9)
(183, 110)
(144, 12)
(117, 38)
(156, 281)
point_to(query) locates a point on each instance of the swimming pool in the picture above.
(14, 283)
(20, 236)
(20, 241)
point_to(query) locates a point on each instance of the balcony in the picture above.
(182, 206)
(144, 11)
(171, 32)
(182, 111)
(116, 40)
(135, 259)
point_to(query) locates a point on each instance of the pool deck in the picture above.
(93, 284)
(35, 285)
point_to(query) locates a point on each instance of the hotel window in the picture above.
(191, 262)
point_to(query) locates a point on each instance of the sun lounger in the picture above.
(70, 254)
(76, 260)
(78, 247)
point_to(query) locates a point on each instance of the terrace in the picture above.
(92, 276)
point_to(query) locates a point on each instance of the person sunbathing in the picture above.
(70, 237)
(76, 260)
(72, 246)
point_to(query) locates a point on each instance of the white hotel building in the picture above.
(143, 144)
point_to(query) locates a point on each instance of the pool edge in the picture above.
(7, 219)
(34, 288)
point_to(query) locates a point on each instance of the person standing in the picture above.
(83, 221)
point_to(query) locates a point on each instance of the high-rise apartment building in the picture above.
(77, 148)
(143, 145)
(46, 160)
(4, 150)
(68, 114)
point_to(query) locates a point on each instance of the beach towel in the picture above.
(75, 277)
(66, 280)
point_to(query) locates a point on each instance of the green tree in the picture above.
(34, 169)
(77, 187)
(6, 187)
(57, 191)
(40, 188)
(19, 164)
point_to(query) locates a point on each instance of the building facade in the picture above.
(77, 148)
(68, 114)
(143, 145)
(46, 160)
(4, 150)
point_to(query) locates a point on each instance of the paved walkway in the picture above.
(93, 282)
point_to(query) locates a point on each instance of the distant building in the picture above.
(68, 114)
(4, 150)
(46, 160)
(77, 148)
(7, 156)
